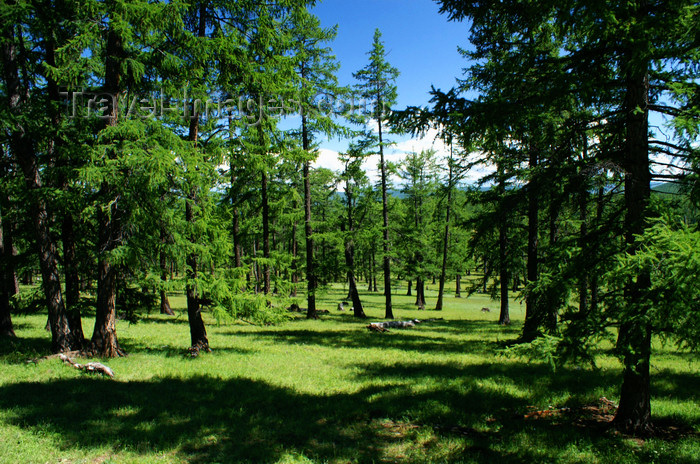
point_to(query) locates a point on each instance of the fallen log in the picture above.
(91, 367)
(385, 326)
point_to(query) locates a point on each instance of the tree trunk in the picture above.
(634, 339)
(583, 243)
(295, 251)
(22, 148)
(371, 272)
(445, 241)
(350, 257)
(354, 294)
(388, 313)
(533, 316)
(198, 333)
(308, 231)
(6, 327)
(594, 276)
(266, 233)
(420, 293)
(504, 317)
(237, 261)
(458, 286)
(55, 143)
(8, 243)
(410, 284)
(70, 267)
(104, 336)
(164, 302)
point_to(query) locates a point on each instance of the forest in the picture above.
(158, 179)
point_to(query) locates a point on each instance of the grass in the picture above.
(326, 391)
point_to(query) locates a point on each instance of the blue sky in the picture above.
(420, 43)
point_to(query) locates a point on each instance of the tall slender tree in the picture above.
(377, 86)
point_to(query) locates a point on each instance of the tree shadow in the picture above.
(19, 350)
(361, 338)
(208, 419)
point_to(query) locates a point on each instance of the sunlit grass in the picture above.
(325, 391)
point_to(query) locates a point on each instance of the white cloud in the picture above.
(328, 158)
(396, 153)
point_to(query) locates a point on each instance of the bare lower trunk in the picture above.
(164, 302)
(504, 317)
(104, 337)
(6, 328)
(458, 286)
(420, 293)
(198, 333)
(72, 281)
(409, 292)
(533, 316)
(354, 294)
(634, 340)
(295, 270)
(237, 261)
(266, 234)
(308, 230)
(445, 246)
(388, 312)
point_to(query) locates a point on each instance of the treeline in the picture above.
(155, 147)
(118, 175)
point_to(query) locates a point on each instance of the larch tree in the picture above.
(377, 87)
(315, 83)
(623, 62)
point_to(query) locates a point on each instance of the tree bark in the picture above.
(295, 251)
(445, 240)
(350, 258)
(54, 155)
(266, 233)
(308, 231)
(6, 327)
(237, 258)
(104, 336)
(164, 302)
(458, 286)
(634, 338)
(70, 266)
(533, 316)
(388, 313)
(408, 292)
(504, 317)
(198, 332)
(420, 292)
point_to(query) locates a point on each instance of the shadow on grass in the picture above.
(364, 339)
(205, 419)
(421, 338)
(20, 349)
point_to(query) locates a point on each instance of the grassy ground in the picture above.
(327, 391)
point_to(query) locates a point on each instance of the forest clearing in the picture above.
(293, 231)
(329, 390)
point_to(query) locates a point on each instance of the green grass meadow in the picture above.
(329, 391)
